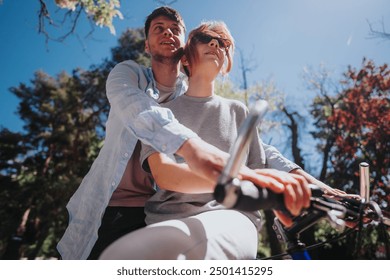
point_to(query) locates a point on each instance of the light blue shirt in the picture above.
(134, 115)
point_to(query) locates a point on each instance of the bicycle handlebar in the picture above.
(244, 195)
(240, 146)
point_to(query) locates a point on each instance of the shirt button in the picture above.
(126, 155)
(164, 147)
(113, 183)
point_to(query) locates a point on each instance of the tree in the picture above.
(354, 125)
(357, 121)
(131, 45)
(321, 83)
(64, 121)
(98, 12)
(245, 67)
(60, 141)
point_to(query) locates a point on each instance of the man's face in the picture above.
(165, 40)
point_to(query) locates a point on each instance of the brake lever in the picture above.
(320, 207)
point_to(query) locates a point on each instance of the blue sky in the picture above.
(281, 37)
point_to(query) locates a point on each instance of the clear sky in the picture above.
(279, 36)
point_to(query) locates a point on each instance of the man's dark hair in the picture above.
(166, 12)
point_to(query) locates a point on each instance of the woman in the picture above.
(184, 221)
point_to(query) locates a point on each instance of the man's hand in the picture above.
(328, 191)
(204, 159)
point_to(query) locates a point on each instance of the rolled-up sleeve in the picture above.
(141, 114)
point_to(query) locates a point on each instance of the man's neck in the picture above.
(165, 74)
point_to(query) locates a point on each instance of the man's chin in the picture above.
(173, 56)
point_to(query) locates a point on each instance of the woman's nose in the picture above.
(214, 43)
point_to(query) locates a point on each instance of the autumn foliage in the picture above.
(353, 126)
(361, 119)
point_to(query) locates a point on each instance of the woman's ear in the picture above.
(184, 61)
(185, 64)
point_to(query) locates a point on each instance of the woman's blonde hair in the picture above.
(215, 29)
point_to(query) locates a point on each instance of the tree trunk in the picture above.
(293, 126)
(307, 236)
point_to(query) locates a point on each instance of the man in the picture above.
(116, 186)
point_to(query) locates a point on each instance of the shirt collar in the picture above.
(180, 87)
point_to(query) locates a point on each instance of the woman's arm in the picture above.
(178, 177)
(173, 176)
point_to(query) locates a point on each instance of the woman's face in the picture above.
(210, 54)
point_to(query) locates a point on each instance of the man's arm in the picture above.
(157, 126)
(139, 113)
(276, 160)
(327, 189)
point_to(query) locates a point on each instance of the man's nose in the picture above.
(214, 43)
(168, 32)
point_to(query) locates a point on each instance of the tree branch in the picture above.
(374, 33)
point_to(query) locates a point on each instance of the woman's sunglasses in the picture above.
(205, 39)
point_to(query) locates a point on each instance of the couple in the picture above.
(117, 185)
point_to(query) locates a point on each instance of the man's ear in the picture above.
(147, 47)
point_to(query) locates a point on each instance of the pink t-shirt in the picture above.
(135, 187)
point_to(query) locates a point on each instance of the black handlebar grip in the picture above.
(252, 198)
(248, 197)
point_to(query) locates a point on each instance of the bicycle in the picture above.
(244, 195)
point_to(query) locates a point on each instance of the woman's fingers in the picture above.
(262, 178)
(304, 188)
(295, 189)
(285, 220)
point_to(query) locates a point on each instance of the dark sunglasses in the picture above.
(205, 39)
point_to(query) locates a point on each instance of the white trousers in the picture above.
(219, 234)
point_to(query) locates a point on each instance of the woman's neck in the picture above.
(198, 87)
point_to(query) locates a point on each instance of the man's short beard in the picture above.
(171, 59)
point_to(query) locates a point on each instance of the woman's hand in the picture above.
(294, 187)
